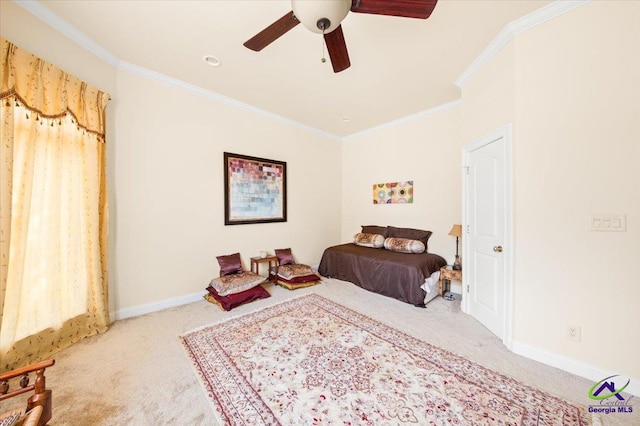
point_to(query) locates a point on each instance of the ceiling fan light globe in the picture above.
(309, 12)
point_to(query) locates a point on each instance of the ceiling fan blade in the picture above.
(272, 32)
(406, 8)
(337, 49)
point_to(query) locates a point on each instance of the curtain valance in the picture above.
(49, 91)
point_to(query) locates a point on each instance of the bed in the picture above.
(409, 277)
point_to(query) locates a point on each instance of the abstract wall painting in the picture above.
(393, 193)
(255, 190)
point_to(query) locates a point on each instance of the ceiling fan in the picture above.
(324, 17)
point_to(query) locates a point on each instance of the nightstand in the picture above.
(448, 273)
(273, 263)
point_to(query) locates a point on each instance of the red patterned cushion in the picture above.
(233, 300)
(297, 270)
(230, 264)
(299, 280)
(235, 283)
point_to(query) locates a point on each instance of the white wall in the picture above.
(169, 204)
(577, 152)
(165, 177)
(425, 149)
(488, 100)
(571, 87)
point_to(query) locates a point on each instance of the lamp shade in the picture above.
(456, 231)
(310, 11)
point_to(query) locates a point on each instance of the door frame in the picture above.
(504, 132)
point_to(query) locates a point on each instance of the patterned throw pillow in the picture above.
(369, 240)
(404, 245)
(230, 284)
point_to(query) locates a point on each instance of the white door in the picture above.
(485, 238)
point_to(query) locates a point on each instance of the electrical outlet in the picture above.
(574, 332)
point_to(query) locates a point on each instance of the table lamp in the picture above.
(456, 231)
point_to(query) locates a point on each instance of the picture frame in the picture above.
(393, 192)
(255, 190)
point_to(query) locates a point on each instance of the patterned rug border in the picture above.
(464, 369)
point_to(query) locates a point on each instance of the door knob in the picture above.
(497, 249)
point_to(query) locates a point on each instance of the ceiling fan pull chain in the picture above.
(323, 60)
(323, 24)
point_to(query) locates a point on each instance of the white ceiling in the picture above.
(399, 66)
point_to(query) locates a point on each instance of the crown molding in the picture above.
(408, 118)
(209, 94)
(540, 16)
(46, 15)
(39, 10)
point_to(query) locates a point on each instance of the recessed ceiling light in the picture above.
(212, 60)
(346, 119)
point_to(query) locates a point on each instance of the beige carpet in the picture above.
(137, 372)
(309, 360)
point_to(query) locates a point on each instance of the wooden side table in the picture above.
(448, 273)
(273, 263)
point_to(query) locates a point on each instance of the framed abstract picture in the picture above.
(255, 190)
(393, 193)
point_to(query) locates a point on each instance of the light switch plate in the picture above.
(608, 222)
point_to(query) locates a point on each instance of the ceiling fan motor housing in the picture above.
(321, 16)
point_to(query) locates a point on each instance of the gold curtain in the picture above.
(53, 209)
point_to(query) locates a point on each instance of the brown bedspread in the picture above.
(398, 275)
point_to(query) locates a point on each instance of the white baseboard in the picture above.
(155, 306)
(571, 365)
(456, 287)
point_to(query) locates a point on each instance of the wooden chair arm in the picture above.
(41, 396)
(28, 369)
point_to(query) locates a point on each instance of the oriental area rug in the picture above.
(308, 361)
